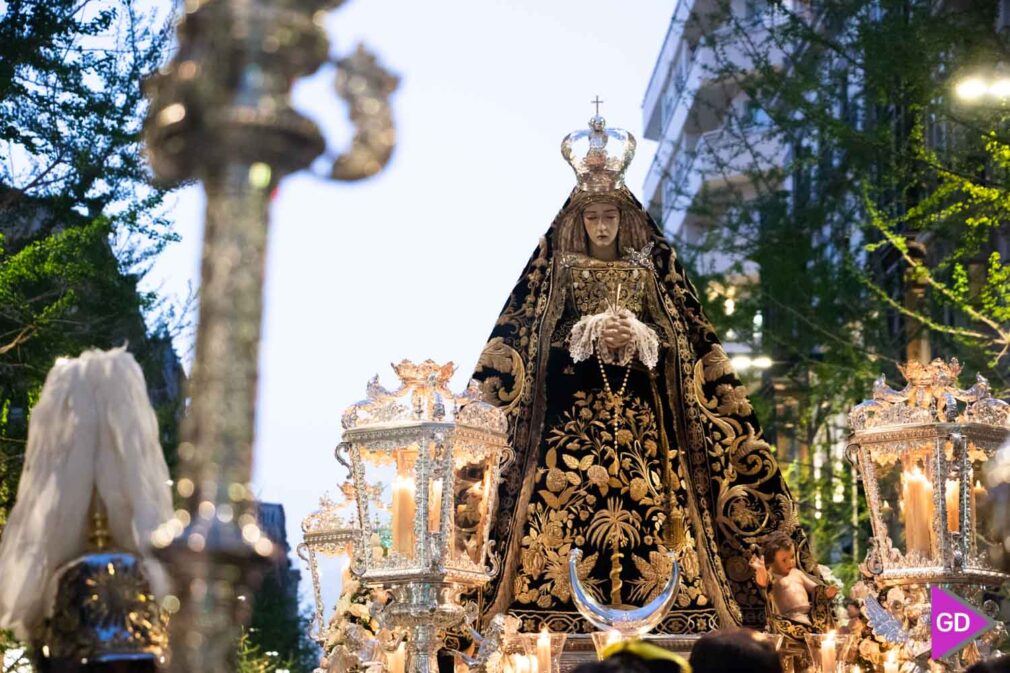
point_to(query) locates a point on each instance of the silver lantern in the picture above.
(434, 459)
(921, 452)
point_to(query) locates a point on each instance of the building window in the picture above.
(751, 113)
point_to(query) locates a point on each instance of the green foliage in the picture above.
(279, 626)
(252, 658)
(862, 180)
(78, 221)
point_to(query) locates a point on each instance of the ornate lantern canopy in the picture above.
(433, 460)
(330, 531)
(921, 452)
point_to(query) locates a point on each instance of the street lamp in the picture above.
(987, 86)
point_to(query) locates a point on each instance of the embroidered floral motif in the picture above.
(608, 504)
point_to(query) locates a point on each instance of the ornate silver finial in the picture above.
(599, 155)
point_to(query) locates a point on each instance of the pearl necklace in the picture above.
(616, 399)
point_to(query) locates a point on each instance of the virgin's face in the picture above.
(602, 221)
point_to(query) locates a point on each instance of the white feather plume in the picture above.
(92, 431)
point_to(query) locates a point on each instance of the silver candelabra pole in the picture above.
(221, 113)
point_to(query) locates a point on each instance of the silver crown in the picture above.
(599, 156)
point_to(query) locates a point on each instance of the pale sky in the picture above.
(417, 262)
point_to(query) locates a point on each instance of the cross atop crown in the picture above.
(597, 102)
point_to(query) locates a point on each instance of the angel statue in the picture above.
(633, 435)
(798, 604)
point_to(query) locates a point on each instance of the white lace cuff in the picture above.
(586, 339)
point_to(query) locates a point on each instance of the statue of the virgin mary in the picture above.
(633, 435)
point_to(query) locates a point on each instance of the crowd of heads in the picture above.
(716, 652)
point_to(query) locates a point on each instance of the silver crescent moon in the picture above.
(633, 622)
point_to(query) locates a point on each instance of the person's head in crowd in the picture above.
(734, 650)
(636, 656)
(998, 665)
(852, 609)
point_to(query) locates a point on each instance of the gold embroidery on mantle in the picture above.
(610, 504)
(594, 284)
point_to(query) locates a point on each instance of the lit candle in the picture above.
(404, 509)
(952, 496)
(544, 651)
(435, 505)
(520, 664)
(918, 505)
(613, 636)
(534, 666)
(345, 575)
(891, 663)
(978, 494)
(828, 653)
(397, 659)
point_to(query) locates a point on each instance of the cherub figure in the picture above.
(791, 588)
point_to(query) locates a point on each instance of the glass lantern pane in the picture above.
(984, 547)
(393, 498)
(917, 507)
(470, 510)
(404, 503)
(889, 488)
(907, 510)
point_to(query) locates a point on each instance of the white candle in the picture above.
(918, 504)
(544, 651)
(952, 497)
(435, 506)
(534, 666)
(828, 653)
(404, 509)
(397, 659)
(520, 664)
(891, 663)
(978, 494)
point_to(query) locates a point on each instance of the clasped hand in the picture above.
(616, 332)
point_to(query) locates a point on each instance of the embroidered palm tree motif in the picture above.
(602, 491)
